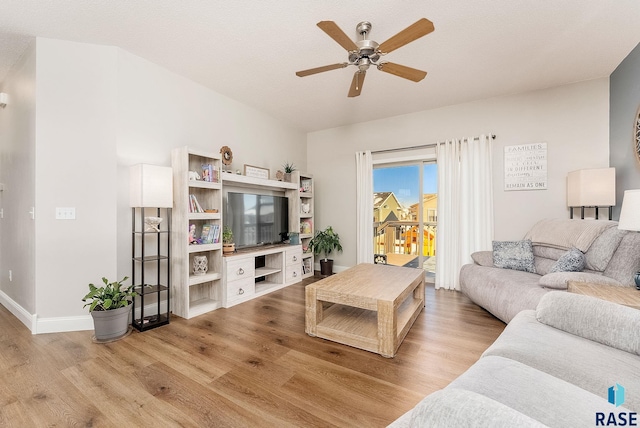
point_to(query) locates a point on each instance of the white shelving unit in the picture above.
(193, 295)
(305, 213)
(253, 273)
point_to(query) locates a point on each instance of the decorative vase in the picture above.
(152, 224)
(200, 265)
(287, 177)
(111, 324)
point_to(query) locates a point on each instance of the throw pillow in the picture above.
(571, 261)
(517, 255)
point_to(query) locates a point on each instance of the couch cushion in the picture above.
(483, 258)
(543, 264)
(571, 261)
(594, 319)
(503, 292)
(517, 255)
(599, 254)
(626, 260)
(453, 407)
(560, 280)
(590, 365)
(541, 396)
(566, 233)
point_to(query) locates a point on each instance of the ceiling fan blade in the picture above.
(402, 71)
(332, 29)
(356, 83)
(316, 70)
(418, 29)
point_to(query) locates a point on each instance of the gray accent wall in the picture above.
(624, 100)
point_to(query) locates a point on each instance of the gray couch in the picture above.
(552, 366)
(612, 256)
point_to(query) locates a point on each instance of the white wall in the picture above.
(75, 167)
(17, 173)
(159, 110)
(80, 115)
(572, 119)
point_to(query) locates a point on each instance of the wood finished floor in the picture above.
(250, 365)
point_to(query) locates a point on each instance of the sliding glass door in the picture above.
(405, 214)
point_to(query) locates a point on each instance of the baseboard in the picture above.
(62, 324)
(18, 311)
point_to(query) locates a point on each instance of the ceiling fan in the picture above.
(364, 53)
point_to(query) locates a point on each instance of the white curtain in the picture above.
(465, 206)
(364, 207)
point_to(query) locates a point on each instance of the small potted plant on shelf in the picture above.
(288, 169)
(228, 246)
(324, 242)
(110, 306)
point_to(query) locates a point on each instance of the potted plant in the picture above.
(288, 169)
(228, 246)
(110, 306)
(324, 242)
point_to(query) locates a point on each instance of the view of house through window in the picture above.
(405, 215)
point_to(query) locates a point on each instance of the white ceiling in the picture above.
(250, 50)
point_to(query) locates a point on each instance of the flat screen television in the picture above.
(256, 219)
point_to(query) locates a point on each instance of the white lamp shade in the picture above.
(630, 213)
(591, 188)
(151, 186)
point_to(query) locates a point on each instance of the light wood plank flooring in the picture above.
(250, 365)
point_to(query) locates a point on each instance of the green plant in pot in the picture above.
(110, 306)
(228, 245)
(288, 169)
(324, 242)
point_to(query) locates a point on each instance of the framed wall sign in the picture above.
(525, 167)
(256, 172)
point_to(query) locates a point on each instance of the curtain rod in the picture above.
(423, 146)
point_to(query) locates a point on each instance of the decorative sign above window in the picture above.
(525, 167)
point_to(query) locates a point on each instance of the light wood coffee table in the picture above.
(370, 307)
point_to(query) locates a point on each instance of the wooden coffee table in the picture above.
(370, 307)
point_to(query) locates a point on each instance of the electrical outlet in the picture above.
(65, 213)
(10, 275)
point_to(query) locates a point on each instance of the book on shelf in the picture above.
(306, 227)
(306, 266)
(210, 173)
(210, 234)
(205, 234)
(194, 205)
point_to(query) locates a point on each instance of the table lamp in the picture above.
(630, 217)
(591, 188)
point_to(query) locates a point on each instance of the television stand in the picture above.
(254, 272)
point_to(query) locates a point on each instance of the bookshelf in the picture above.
(306, 214)
(197, 206)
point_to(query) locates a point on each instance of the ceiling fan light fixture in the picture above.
(364, 53)
(363, 64)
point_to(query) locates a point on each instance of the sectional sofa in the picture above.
(564, 359)
(572, 362)
(611, 257)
